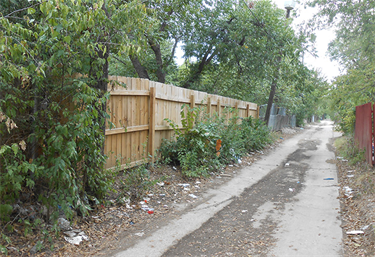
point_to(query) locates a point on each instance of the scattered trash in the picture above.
(75, 236)
(287, 164)
(197, 182)
(162, 195)
(64, 224)
(244, 211)
(226, 175)
(174, 168)
(355, 232)
(298, 182)
(341, 158)
(150, 195)
(291, 189)
(196, 186)
(160, 184)
(350, 176)
(328, 179)
(139, 234)
(365, 227)
(239, 161)
(348, 192)
(184, 185)
(150, 211)
(131, 223)
(193, 196)
(351, 171)
(281, 138)
(230, 165)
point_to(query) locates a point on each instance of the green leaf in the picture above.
(30, 11)
(15, 149)
(67, 39)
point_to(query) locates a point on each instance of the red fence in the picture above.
(364, 130)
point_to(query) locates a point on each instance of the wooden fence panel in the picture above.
(138, 109)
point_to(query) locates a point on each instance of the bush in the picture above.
(206, 144)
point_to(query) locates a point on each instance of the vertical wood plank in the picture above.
(151, 130)
(209, 106)
(192, 100)
(257, 115)
(247, 110)
(218, 107)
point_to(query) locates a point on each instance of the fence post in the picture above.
(218, 107)
(151, 131)
(247, 110)
(209, 106)
(192, 100)
(258, 109)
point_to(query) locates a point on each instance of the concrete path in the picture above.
(279, 206)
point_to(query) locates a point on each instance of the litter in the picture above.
(75, 237)
(287, 164)
(328, 179)
(365, 227)
(184, 185)
(139, 234)
(193, 196)
(160, 184)
(355, 232)
(348, 191)
(350, 176)
(244, 211)
(291, 189)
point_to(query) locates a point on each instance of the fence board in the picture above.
(364, 130)
(142, 106)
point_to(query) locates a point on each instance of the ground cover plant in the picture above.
(205, 144)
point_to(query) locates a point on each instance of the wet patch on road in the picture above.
(246, 226)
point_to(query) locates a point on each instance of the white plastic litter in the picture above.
(193, 196)
(355, 232)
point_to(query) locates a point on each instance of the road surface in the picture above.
(283, 205)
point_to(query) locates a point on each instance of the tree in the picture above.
(54, 74)
(354, 50)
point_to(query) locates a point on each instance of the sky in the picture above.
(322, 62)
(324, 37)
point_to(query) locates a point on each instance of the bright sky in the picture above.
(322, 62)
(324, 37)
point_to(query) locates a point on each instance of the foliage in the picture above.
(137, 182)
(53, 93)
(204, 144)
(353, 49)
(347, 149)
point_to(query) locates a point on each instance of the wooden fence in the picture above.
(139, 111)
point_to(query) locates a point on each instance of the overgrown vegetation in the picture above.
(205, 144)
(347, 149)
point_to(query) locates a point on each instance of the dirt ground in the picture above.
(169, 199)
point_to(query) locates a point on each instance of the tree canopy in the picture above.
(353, 48)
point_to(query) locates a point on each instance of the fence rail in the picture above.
(139, 111)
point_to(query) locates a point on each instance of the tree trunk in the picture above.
(273, 91)
(159, 61)
(270, 101)
(141, 71)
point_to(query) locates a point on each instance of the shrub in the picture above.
(195, 145)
